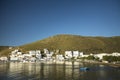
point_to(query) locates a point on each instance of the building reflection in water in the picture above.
(52, 71)
(56, 71)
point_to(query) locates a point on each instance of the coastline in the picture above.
(111, 64)
(61, 62)
(108, 64)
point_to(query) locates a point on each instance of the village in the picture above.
(37, 56)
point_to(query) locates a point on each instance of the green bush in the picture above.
(111, 58)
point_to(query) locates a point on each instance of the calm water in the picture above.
(52, 71)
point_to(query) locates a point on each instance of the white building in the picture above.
(115, 54)
(35, 53)
(68, 54)
(46, 51)
(15, 51)
(75, 54)
(49, 56)
(14, 58)
(59, 57)
(38, 56)
(4, 58)
(32, 59)
(85, 55)
(15, 55)
(32, 53)
(81, 54)
(26, 55)
(100, 56)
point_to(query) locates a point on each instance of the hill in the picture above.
(75, 42)
(3, 48)
(64, 42)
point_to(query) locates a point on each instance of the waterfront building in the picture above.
(32, 59)
(68, 54)
(100, 56)
(32, 52)
(84, 55)
(35, 55)
(75, 54)
(4, 58)
(49, 55)
(115, 54)
(59, 57)
(15, 55)
(46, 51)
(38, 55)
(15, 51)
(14, 58)
(81, 54)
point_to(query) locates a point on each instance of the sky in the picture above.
(26, 21)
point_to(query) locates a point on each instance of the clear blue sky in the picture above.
(25, 21)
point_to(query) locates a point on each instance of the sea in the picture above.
(67, 70)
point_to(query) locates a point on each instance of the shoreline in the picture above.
(61, 62)
(108, 64)
(112, 65)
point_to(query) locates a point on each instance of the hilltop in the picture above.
(75, 42)
(65, 42)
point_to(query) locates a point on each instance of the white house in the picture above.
(16, 50)
(59, 57)
(32, 59)
(81, 54)
(68, 54)
(38, 56)
(75, 54)
(100, 56)
(85, 55)
(115, 54)
(35, 53)
(26, 55)
(4, 58)
(46, 51)
(14, 58)
(32, 53)
(15, 55)
(49, 56)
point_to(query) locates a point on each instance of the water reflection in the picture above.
(56, 71)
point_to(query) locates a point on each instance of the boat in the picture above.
(84, 68)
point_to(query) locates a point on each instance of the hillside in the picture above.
(3, 47)
(64, 42)
(5, 50)
(75, 42)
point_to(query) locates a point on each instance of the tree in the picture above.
(90, 57)
(111, 58)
